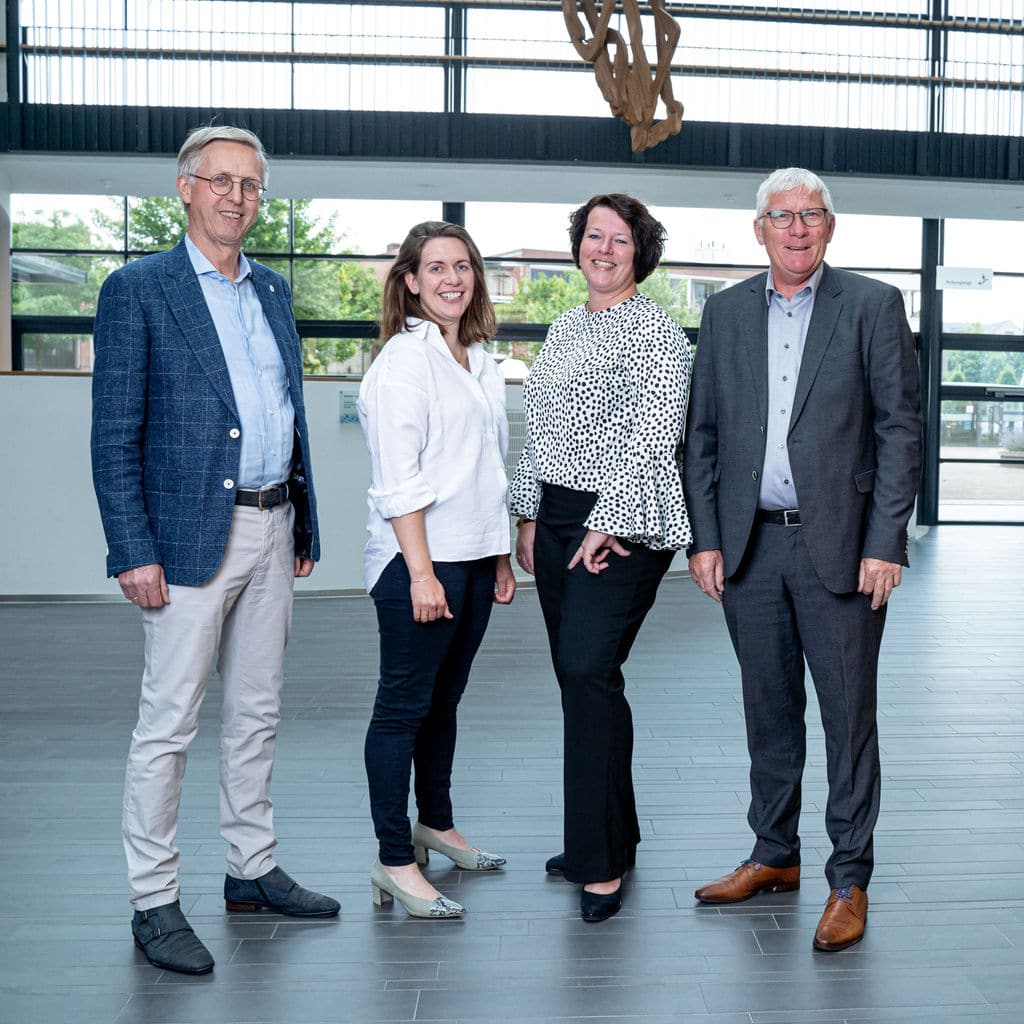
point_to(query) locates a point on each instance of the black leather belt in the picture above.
(269, 497)
(779, 517)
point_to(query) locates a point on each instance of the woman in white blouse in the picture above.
(433, 414)
(600, 500)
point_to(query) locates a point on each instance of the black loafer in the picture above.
(166, 937)
(596, 907)
(556, 865)
(276, 891)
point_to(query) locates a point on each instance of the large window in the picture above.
(981, 468)
(333, 253)
(880, 64)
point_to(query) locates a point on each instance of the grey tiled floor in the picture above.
(945, 940)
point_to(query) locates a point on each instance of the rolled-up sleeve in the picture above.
(395, 410)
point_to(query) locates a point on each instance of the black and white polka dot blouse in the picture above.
(605, 408)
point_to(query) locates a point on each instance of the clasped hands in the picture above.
(594, 550)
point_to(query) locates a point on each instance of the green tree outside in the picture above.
(325, 289)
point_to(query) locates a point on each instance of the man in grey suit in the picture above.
(201, 468)
(801, 466)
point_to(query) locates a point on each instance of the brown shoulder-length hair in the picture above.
(648, 233)
(478, 323)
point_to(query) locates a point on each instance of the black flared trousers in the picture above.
(592, 621)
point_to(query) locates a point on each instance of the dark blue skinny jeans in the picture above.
(424, 669)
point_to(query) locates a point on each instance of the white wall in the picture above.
(51, 541)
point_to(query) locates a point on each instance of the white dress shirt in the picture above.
(437, 437)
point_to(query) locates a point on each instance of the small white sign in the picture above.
(969, 278)
(348, 395)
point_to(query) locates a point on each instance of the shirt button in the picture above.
(782, 444)
(786, 345)
(785, 378)
(785, 482)
(789, 314)
(782, 412)
(754, 474)
(234, 432)
(228, 484)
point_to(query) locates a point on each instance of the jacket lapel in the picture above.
(824, 316)
(189, 309)
(756, 316)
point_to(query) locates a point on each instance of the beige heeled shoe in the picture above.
(385, 889)
(423, 840)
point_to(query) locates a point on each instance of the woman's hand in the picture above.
(429, 602)
(504, 581)
(593, 552)
(524, 545)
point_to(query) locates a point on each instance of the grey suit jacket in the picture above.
(855, 432)
(165, 427)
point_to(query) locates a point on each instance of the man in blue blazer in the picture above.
(800, 469)
(201, 468)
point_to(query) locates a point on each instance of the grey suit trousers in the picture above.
(779, 613)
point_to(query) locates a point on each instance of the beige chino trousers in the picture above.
(242, 617)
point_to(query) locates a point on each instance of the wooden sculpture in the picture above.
(627, 84)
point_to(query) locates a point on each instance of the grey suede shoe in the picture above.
(277, 891)
(424, 839)
(166, 937)
(385, 889)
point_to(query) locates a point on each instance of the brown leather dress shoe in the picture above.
(748, 880)
(842, 923)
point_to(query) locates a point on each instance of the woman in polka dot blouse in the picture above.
(600, 503)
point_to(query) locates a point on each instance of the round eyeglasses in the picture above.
(222, 184)
(782, 219)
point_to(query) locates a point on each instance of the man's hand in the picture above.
(708, 573)
(879, 579)
(145, 586)
(504, 581)
(594, 550)
(524, 545)
(303, 566)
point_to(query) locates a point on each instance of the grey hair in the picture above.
(191, 150)
(786, 179)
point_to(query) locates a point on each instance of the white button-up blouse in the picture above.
(437, 438)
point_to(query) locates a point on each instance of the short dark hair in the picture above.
(648, 233)
(478, 323)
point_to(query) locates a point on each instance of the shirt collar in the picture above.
(431, 333)
(201, 265)
(811, 286)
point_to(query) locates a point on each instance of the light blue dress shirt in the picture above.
(258, 377)
(788, 320)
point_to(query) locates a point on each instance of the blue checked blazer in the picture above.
(165, 428)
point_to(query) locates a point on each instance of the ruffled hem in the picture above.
(646, 509)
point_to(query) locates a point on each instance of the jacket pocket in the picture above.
(865, 481)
